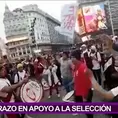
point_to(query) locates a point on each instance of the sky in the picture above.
(52, 7)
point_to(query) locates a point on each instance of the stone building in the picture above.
(21, 40)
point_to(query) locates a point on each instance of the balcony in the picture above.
(18, 45)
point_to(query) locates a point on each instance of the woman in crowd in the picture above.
(53, 80)
(6, 87)
(38, 68)
(57, 58)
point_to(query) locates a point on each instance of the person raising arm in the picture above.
(108, 95)
(11, 88)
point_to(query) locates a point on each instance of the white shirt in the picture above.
(48, 73)
(96, 64)
(85, 51)
(54, 70)
(115, 91)
(21, 76)
(3, 83)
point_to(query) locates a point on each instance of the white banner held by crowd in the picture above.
(68, 19)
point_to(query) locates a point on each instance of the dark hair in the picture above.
(76, 54)
(5, 57)
(39, 58)
(66, 53)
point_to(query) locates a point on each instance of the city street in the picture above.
(56, 99)
(42, 42)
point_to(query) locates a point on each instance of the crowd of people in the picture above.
(74, 70)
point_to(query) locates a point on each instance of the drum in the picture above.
(68, 97)
(31, 92)
(45, 84)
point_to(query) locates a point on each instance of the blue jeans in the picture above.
(66, 83)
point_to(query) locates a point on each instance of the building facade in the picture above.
(3, 49)
(21, 40)
(112, 10)
(114, 14)
(54, 36)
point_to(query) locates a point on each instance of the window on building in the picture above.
(20, 53)
(23, 48)
(11, 55)
(24, 52)
(18, 43)
(33, 41)
(14, 55)
(12, 43)
(28, 51)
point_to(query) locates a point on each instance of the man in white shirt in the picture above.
(85, 56)
(96, 60)
(21, 73)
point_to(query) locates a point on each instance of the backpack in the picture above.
(88, 61)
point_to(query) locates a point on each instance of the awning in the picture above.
(17, 39)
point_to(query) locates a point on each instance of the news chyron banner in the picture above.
(58, 108)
